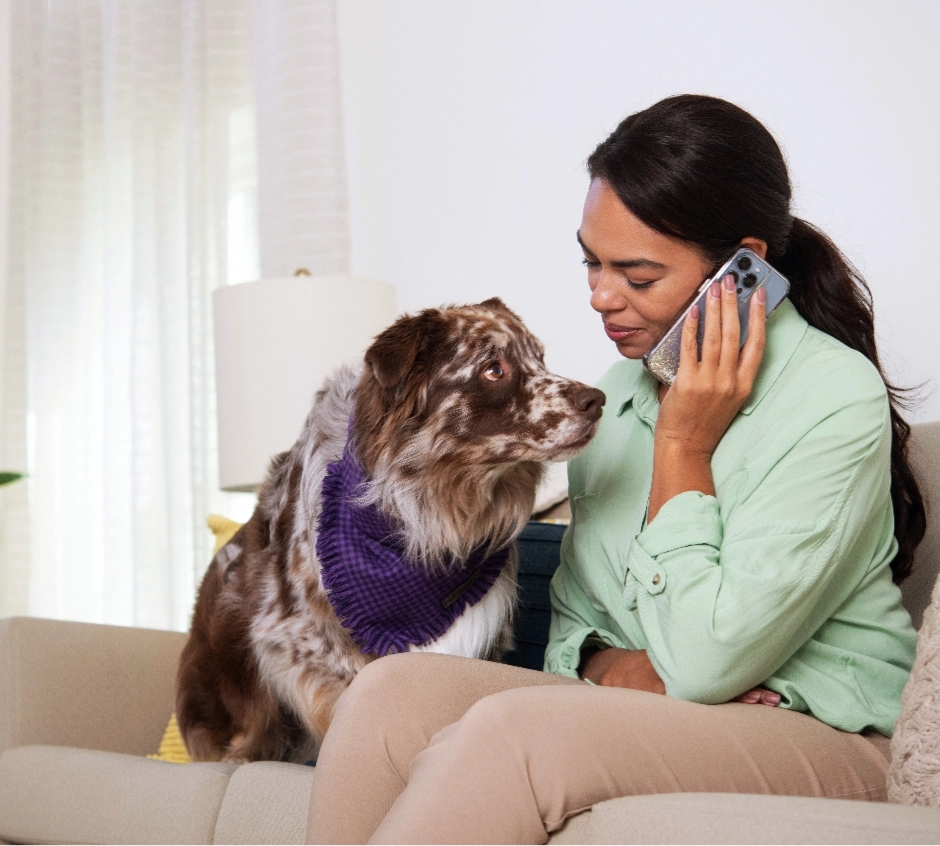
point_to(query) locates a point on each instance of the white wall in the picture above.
(468, 123)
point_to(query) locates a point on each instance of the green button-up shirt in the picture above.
(782, 579)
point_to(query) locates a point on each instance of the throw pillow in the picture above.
(172, 748)
(223, 529)
(914, 774)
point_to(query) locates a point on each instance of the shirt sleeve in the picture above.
(725, 600)
(574, 623)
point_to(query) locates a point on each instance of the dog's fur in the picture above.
(454, 411)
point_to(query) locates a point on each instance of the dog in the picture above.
(439, 438)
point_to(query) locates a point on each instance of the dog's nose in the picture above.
(589, 401)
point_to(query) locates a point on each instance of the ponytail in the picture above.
(832, 296)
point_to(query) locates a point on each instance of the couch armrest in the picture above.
(85, 685)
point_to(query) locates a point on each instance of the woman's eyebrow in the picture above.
(625, 263)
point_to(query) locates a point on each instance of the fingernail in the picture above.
(693, 312)
(762, 295)
(773, 698)
(716, 290)
(729, 283)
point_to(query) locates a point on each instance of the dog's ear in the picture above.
(496, 304)
(394, 352)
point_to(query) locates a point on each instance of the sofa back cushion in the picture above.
(925, 457)
(539, 548)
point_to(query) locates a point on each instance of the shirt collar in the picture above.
(785, 329)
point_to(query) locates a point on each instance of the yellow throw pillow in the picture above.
(172, 748)
(223, 529)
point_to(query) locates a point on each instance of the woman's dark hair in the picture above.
(705, 171)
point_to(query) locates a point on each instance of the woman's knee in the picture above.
(384, 684)
(499, 722)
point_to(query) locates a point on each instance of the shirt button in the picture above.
(657, 579)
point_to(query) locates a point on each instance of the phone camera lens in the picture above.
(750, 280)
(744, 263)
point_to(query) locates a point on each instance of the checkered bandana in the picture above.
(387, 602)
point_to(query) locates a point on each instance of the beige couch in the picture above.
(80, 705)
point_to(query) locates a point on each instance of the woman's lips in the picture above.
(619, 333)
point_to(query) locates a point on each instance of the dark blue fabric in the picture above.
(539, 556)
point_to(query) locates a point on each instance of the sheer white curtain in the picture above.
(121, 117)
(133, 194)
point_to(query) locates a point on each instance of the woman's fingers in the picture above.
(711, 342)
(688, 354)
(759, 696)
(722, 363)
(753, 350)
(730, 326)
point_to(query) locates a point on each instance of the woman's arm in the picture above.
(733, 591)
(615, 667)
(575, 626)
(706, 395)
(694, 414)
(726, 599)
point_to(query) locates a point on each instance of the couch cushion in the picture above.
(75, 684)
(738, 818)
(266, 802)
(925, 458)
(58, 794)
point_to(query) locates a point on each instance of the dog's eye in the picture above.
(494, 372)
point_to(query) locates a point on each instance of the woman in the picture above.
(733, 539)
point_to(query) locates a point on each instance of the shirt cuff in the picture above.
(569, 656)
(688, 519)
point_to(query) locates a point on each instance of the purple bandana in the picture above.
(386, 602)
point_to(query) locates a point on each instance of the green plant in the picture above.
(6, 478)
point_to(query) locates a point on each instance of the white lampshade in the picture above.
(276, 341)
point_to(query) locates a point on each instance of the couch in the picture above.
(82, 705)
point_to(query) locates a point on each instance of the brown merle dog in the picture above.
(453, 414)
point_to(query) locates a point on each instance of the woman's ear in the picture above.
(755, 245)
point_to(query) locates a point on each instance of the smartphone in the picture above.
(750, 273)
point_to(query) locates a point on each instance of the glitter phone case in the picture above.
(750, 272)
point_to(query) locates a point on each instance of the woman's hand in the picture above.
(631, 668)
(614, 667)
(707, 394)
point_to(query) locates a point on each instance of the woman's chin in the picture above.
(632, 347)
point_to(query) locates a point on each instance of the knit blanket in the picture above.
(387, 602)
(914, 774)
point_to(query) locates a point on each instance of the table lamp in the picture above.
(276, 340)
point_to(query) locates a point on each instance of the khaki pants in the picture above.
(430, 748)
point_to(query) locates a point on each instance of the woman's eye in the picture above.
(494, 372)
(639, 286)
(589, 263)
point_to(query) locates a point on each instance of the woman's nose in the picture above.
(608, 294)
